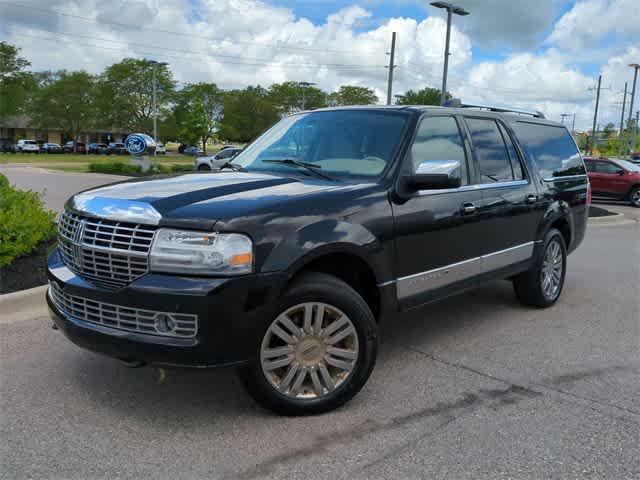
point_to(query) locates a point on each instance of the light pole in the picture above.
(451, 9)
(304, 86)
(154, 64)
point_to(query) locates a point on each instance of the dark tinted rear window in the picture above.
(552, 148)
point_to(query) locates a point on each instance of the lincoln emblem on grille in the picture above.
(78, 238)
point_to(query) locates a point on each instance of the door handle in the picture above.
(531, 198)
(468, 208)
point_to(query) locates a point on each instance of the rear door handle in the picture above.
(468, 208)
(531, 198)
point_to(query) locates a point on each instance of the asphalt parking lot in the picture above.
(474, 387)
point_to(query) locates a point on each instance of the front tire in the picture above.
(204, 168)
(634, 197)
(317, 352)
(541, 285)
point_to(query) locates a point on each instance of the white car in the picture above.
(27, 146)
(212, 162)
(161, 149)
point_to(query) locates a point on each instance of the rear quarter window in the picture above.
(551, 148)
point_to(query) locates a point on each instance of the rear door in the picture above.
(508, 210)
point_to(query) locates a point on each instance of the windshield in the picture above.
(358, 143)
(632, 167)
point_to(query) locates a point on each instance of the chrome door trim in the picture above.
(565, 177)
(422, 282)
(475, 187)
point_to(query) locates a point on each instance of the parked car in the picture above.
(116, 148)
(7, 145)
(286, 266)
(614, 178)
(192, 150)
(98, 148)
(212, 162)
(73, 147)
(27, 146)
(51, 148)
(161, 149)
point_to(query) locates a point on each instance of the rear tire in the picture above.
(327, 339)
(634, 197)
(542, 284)
(204, 168)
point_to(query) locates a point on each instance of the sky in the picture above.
(537, 54)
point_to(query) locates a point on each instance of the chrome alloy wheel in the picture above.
(309, 350)
(551, 272)
(635, 197)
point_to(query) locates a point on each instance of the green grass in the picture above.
(79, 163)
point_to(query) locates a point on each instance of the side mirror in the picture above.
(435, 175)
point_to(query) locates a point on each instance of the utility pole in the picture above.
(624, 103)
(635, 67)
(304, 86)
(391, 67)
(451, 9)
(595, 115)
(573, 124)
(635, 132)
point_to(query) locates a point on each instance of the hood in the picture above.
(200, 199)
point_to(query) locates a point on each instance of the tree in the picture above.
(247, 113)
(198, 112)
(287, 97)
(15, 82)
(353, 95)
(124, 94)
(66, 103)
(426, 96)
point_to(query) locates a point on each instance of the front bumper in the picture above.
(232, 314)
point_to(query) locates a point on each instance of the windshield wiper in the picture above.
(311, 167)
(233, 166)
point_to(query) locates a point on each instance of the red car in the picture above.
(614, 178)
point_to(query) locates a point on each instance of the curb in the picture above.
(23, 305)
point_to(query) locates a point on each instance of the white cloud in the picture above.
(589, 21)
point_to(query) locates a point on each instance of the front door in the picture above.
(609, 180)
(438, 233)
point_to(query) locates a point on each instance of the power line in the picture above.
(274, 63)
(32, 8)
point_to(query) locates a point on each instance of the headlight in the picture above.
(183, 251)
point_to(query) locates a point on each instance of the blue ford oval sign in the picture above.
(139, 144)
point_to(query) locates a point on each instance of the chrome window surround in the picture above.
(475, 187)
(107, 253)
(421, 282)
(565, 177)
(124, 318)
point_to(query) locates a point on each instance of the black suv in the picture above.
(285, 261)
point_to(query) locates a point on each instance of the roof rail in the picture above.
(456, 103)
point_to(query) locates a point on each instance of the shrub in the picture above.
(24, 223)
(121, 168)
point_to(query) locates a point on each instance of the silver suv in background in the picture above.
(27, 146)
(213, 162)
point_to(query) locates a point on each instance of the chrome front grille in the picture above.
(176, 325)
(107, 253)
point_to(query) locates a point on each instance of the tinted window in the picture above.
(591, 166)
(490, 150)
(552, 148)
(513, 154)
(342, 142)
(438, 138)
(607, 167)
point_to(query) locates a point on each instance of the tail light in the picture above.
(588, 193)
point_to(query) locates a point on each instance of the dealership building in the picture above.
(20, 128)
